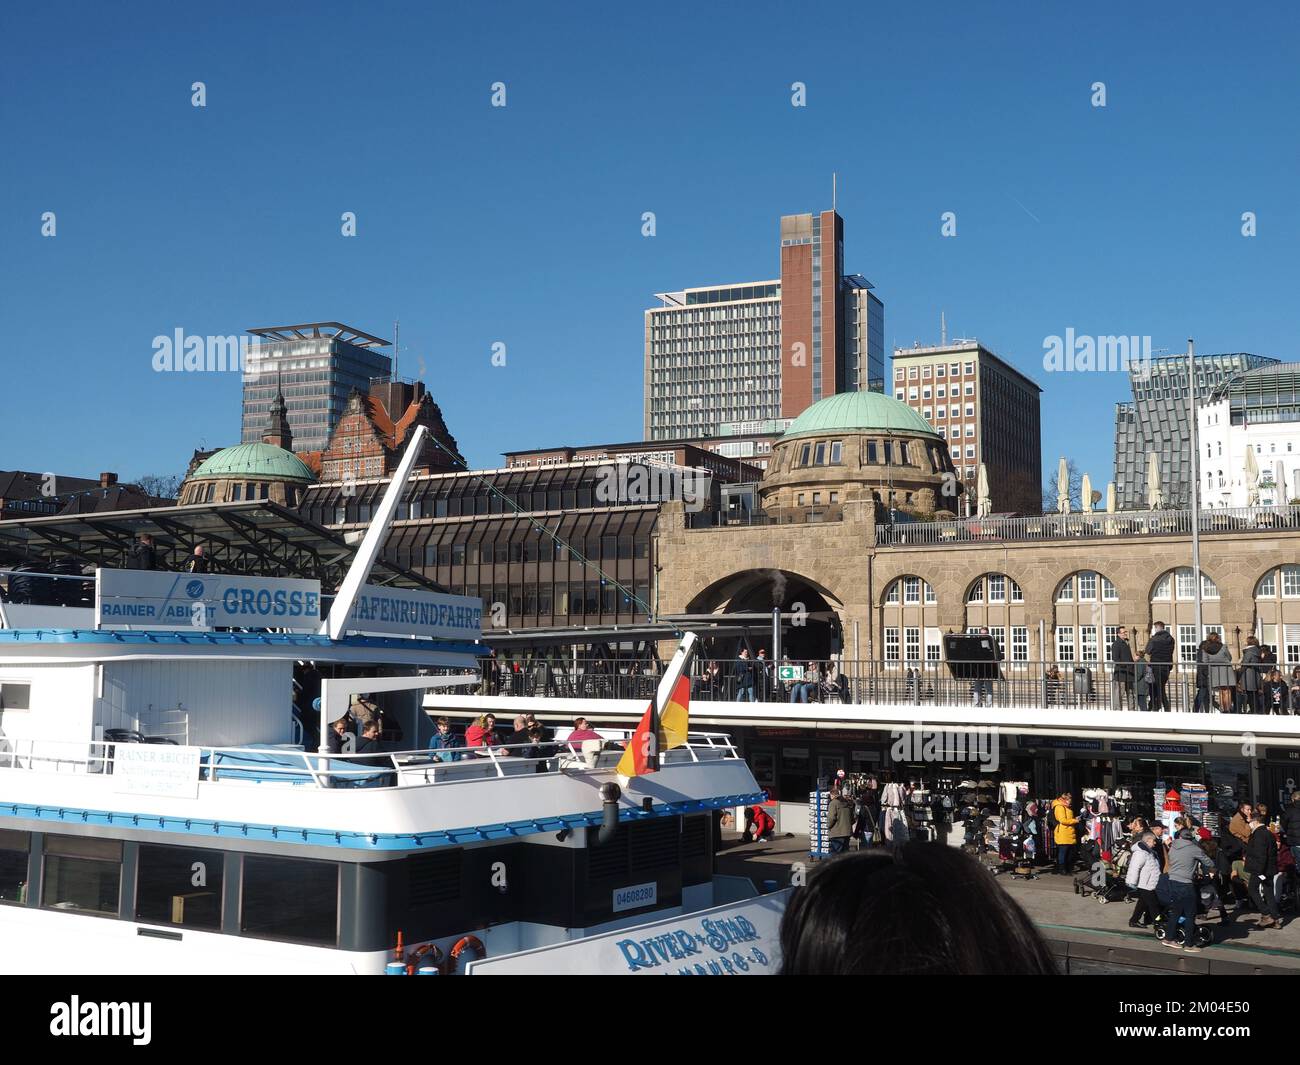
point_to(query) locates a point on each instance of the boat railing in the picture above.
(373, 769)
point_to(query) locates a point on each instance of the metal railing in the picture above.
(1089, 525)
(261, 766)
(713, 519)
(1081, 684)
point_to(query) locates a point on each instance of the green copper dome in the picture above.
(858, 412)
(263, 461)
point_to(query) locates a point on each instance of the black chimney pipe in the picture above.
(609, 795)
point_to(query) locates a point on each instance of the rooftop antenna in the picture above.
(397, 346)
(833, 177)
(943, 330)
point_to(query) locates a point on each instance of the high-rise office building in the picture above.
(987, 410)
(316, 366)
(1157, 421)
(763, 351)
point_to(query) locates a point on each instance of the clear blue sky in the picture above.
(522, 225)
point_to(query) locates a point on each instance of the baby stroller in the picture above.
(1207, 899)
(1114, 867)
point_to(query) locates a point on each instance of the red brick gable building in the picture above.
(368, 440)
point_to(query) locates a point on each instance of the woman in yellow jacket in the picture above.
(1065, 835)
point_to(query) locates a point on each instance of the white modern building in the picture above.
(1257, 410)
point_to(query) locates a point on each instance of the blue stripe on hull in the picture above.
(368, 841)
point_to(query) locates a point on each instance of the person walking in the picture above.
(1142, 876)
(1121, 674)
(839, 821)
(1065, 833)
(1185, 858)
(1216, 660)
(1261, 868)
(1250, 675)
(1160, 651)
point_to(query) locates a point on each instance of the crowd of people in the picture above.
(1165, 868)
(1253, 685)
(756, 680)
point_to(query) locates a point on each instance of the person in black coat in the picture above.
(142, 554)
(1290, 818)
(1121, 674)
(1261, 868)
(1160, 652)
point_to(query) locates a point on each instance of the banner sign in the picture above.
(738, 939)
(410, 612)
(156, 769)
(153, 599)
(1060, 743)
(1156, 748)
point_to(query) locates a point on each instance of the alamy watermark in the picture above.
(629, 482)
(182, 353)
(976, 744)
(1073, 353)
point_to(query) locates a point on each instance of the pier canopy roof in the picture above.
(257, 538)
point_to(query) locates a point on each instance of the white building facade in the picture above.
(1258, 410)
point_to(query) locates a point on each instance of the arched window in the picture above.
(1173, 601)
(996, 602)
(910, 623)
(1086, 618)
(1277, 613)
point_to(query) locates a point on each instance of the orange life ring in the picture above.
(430, 949)
(472, 942)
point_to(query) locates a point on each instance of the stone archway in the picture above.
(815, 632)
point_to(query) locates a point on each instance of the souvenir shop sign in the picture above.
(1157, 748)
(1060, 743)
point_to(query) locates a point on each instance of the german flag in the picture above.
(657, 732)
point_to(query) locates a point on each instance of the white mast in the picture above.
(373, 543)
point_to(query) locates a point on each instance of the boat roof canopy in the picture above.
(256, 538)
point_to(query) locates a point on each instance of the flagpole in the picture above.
(1196, 486)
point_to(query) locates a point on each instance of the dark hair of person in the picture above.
(932, 910)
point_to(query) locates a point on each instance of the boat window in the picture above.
(179, 886)
(15, 695)
(13, 865)
(82, 874)
(290, 899)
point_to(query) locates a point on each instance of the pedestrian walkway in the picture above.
(1086, 936)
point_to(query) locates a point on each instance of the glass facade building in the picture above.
(1157, 420)
(316, 366)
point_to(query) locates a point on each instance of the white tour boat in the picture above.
(161, 810)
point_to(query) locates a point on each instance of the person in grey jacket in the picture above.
(1142, 876)
(1220, 678)
(1185, 856)
(839, 821)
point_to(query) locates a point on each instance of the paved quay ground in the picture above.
(1086, 936)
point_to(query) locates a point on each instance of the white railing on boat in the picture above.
(293, 767)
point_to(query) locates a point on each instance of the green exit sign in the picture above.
(789, 673)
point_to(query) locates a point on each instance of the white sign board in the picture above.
(156, 769)
(153, 599)
(738, 939)
(636, 897)
(411, 612)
